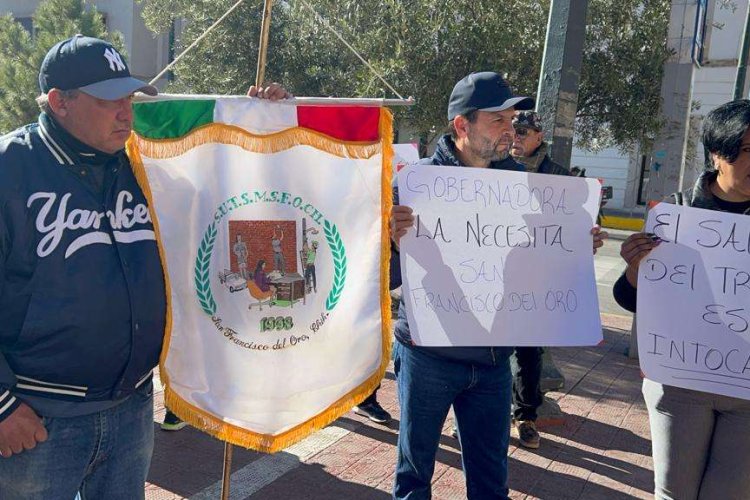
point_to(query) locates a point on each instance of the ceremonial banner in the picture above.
(272, 227)
(499, 258)
(694, 301)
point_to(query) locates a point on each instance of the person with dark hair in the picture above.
(701, 441)
(310, 253)
(476, 381)
(260, 277)
(82, 305)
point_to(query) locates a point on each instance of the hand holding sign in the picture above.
(694, 300)
(401, 220)
(599, 237)
(633, 250)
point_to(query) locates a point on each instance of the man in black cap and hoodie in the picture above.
(476, 381)
(82, 295)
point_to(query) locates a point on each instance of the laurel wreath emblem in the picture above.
(202, 271)
(339, 264)
(203, 267)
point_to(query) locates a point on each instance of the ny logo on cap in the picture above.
(115, 61)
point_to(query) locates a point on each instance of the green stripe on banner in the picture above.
(171, 119)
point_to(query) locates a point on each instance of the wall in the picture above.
(147, 53)
(257, 236)
(610, 165)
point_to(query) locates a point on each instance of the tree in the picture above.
(625, 52)
(21, 54)
(422, 47)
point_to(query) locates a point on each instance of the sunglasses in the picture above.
(522, 132)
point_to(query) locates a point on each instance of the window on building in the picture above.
(28, 22)
(699, 38)
(643, 180)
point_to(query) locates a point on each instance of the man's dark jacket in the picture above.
(541, 163)
(82, 294)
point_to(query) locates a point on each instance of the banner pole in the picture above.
(259, 77)
(227, 473)
(260, 74)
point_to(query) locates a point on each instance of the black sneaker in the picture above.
(172, 422)
(374, 412)
(528, 436)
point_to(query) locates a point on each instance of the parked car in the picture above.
(234, 281)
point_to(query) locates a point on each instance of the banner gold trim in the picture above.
(267, 144)
(226, 134)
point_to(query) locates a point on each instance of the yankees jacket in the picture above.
(82, 295)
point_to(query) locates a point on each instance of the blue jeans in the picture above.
(102, 455)
(480, 395)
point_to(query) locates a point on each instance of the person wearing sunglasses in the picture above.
(530, 150)
(529, 147)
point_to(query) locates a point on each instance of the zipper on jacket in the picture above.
(492, 352)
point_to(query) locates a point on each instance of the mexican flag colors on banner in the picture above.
(272, 226)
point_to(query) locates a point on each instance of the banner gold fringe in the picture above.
(268, 144)
(386, 202)
(199, 418)
(139, 170)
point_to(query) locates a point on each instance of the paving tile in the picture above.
(601, 450)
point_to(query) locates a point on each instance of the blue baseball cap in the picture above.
(485, 91)
(92, 66)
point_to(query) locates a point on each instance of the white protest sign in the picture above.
(694, 301)
(404, 154)
(499, 258)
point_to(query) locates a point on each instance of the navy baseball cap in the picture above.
(485, 91)
(92, 66)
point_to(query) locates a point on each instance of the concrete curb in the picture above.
(626, 223)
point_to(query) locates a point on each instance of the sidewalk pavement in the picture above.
(601, 450)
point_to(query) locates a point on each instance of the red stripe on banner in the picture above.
(346, 123)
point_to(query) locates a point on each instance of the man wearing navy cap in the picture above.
(476, 381)
(82, 296)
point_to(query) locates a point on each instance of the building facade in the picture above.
(147, 53)
(713, 84)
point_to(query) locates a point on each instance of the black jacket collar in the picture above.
(67, 149)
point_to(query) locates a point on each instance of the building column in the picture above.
(557, 96)
(667, 159)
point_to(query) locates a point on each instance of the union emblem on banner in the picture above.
(271, 222)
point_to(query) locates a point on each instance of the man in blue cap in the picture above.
(82, 296)
(476, 381)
